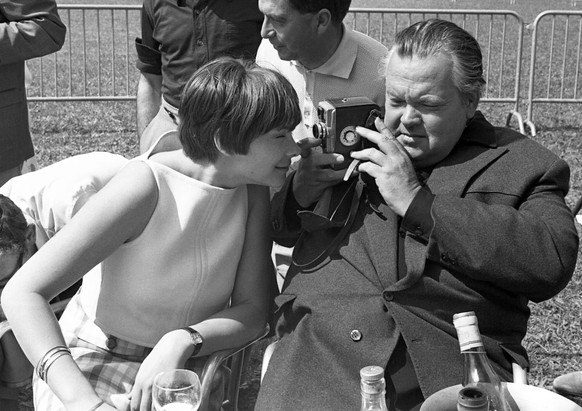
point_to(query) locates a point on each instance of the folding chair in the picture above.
(236, 357)
(576, 210)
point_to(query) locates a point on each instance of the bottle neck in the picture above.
(478, 368)
(374, 395)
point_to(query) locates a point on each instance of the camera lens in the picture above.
(319, 130)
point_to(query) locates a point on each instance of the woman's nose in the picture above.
(292, 147)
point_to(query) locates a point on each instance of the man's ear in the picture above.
(471, 103)
(323, 20)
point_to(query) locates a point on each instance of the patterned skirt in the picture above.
(109, 363)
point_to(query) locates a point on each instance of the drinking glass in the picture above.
(176, 390)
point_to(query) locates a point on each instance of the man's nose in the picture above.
(410, 117)
(266, 29)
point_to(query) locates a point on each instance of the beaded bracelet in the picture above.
(49, 358)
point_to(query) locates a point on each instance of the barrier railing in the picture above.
(97, 62)
(554, 74)
(499, 32)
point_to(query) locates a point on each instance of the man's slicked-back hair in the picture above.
(338, 8)
(227, 103)
(434, 36)
(12, 226)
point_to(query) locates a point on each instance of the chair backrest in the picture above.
(577, 206)
(236, 358)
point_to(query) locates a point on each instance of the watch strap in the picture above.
(196, 338)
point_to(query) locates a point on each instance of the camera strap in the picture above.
(325, 227)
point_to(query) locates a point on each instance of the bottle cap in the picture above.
(467, 330)
(463, 319)
(372, 373)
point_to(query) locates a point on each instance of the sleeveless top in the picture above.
(182, 267)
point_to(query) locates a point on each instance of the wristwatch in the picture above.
(196, 338)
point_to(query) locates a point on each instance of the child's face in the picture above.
(269, 158)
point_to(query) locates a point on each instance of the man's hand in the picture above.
(390, 166)
(314, 173)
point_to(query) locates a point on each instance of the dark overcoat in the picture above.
(28, 29)
(502, 236)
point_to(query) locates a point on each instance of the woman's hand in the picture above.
(171, 352)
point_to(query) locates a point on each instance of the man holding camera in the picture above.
(323, 59)
(447, 214)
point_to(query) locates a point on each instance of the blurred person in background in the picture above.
(28, 29)
(177, 37)
(33, 208)
(446, 214)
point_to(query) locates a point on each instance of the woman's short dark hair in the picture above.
(228, 102)
(337, 8)
(433, 36)
(12, 226)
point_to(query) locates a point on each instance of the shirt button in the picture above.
(199, 43)
(355, 335)
(111, 342)
(388, 295)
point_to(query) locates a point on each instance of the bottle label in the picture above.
(469, 337)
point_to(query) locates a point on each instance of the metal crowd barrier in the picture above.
(555, 70)
(97, 62)
(499, 32)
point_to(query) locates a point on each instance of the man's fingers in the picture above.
(306, 144)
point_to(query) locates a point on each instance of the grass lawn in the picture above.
(553, 340)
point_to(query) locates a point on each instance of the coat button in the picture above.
(111, 342)
(355, 335)
(445, 257)
(388, 295)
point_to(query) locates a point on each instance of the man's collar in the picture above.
(341, 63)
(479, 131)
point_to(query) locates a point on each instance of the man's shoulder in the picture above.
(371, 46)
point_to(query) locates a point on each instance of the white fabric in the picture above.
(353, 70)
(50, 196)
(180, 270)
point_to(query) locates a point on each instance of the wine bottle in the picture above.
(373, 388)
(478, 371)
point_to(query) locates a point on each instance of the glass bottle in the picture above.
(472, 399)
(373, 387)
(478, 371)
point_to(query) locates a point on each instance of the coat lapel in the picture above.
(476, 149)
